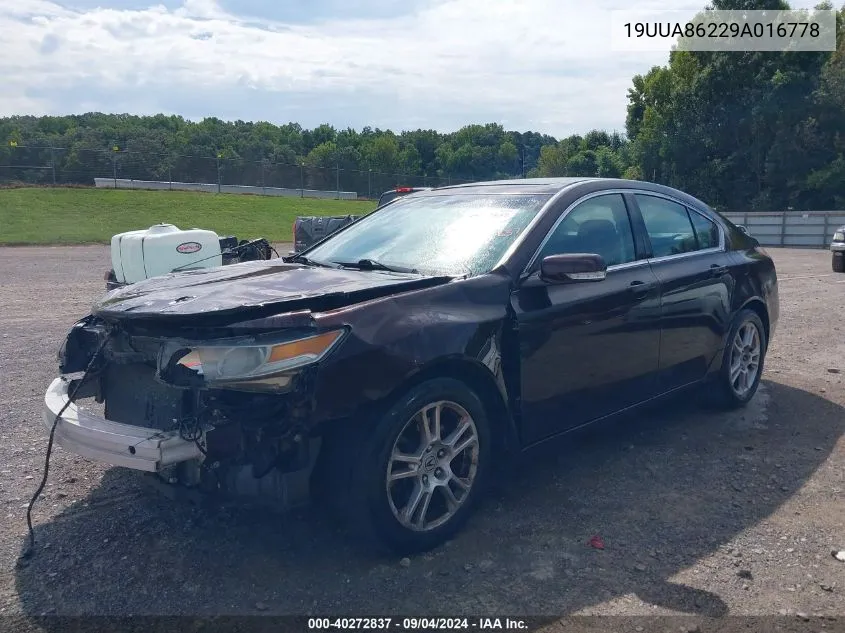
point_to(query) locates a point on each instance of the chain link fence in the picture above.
(64, 167)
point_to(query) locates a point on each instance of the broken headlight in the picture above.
(839, 236)
(79, 345)
(253, 365)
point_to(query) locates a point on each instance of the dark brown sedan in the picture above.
(393, 366)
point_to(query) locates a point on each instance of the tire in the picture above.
(735, 388)
(839, 263)
(361, 465)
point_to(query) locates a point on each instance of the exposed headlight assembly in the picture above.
(839, 236)
(247, 366)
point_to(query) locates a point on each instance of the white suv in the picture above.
(837, 246)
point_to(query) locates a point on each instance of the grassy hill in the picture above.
(78, 216)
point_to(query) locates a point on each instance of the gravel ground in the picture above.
(701, 513)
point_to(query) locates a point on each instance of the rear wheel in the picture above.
(742, 364)
(412, 482)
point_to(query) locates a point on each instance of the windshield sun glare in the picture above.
(453, 233)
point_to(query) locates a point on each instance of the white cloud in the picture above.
(545, 65)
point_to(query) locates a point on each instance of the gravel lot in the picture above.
(702, 513)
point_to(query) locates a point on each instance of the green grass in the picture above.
(78, 216)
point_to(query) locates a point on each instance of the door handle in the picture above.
(639, 288)
(717, 270)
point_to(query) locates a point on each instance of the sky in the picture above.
(540, 65)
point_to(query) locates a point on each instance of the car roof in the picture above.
(514, 185)
(552, 186)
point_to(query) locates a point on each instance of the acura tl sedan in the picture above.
(391, 369)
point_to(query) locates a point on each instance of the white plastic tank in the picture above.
(116, 259)
(161, 249)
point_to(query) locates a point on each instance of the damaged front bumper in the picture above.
(93, 436)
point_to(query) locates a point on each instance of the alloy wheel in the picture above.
(745, 358)
(432, 466)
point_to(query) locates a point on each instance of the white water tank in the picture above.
(161, 249)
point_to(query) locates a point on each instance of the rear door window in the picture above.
(706, 231)
(668, 226)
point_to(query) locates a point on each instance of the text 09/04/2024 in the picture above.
(418, 624)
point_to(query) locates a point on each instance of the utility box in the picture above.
(161, 249)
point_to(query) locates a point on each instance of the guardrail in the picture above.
(804, 229)
(164, 185)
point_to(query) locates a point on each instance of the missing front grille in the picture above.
(133, 396)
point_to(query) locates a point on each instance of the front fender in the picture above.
(395, 340)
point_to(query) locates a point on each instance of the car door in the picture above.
(587, 348)
(688, 256)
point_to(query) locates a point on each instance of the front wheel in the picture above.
(838, 262)
(423, 467)
(742, 364)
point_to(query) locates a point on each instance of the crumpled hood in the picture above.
(272, 285)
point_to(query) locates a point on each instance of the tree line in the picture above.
(742, 131)
(475, 152)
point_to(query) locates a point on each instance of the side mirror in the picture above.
(743, 228)
(573, 267)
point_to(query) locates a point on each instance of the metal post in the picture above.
(53, 162)
(301, 180)
(114, 168)
(824, 234)
(218, 174)
(338, 180)
(370, 184)
(170, 177)
(783, 229)
(263, 186)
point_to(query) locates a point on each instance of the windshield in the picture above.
(452, 234)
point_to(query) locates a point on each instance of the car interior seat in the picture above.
(602, 238)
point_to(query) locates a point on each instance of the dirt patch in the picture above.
(700, 513)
